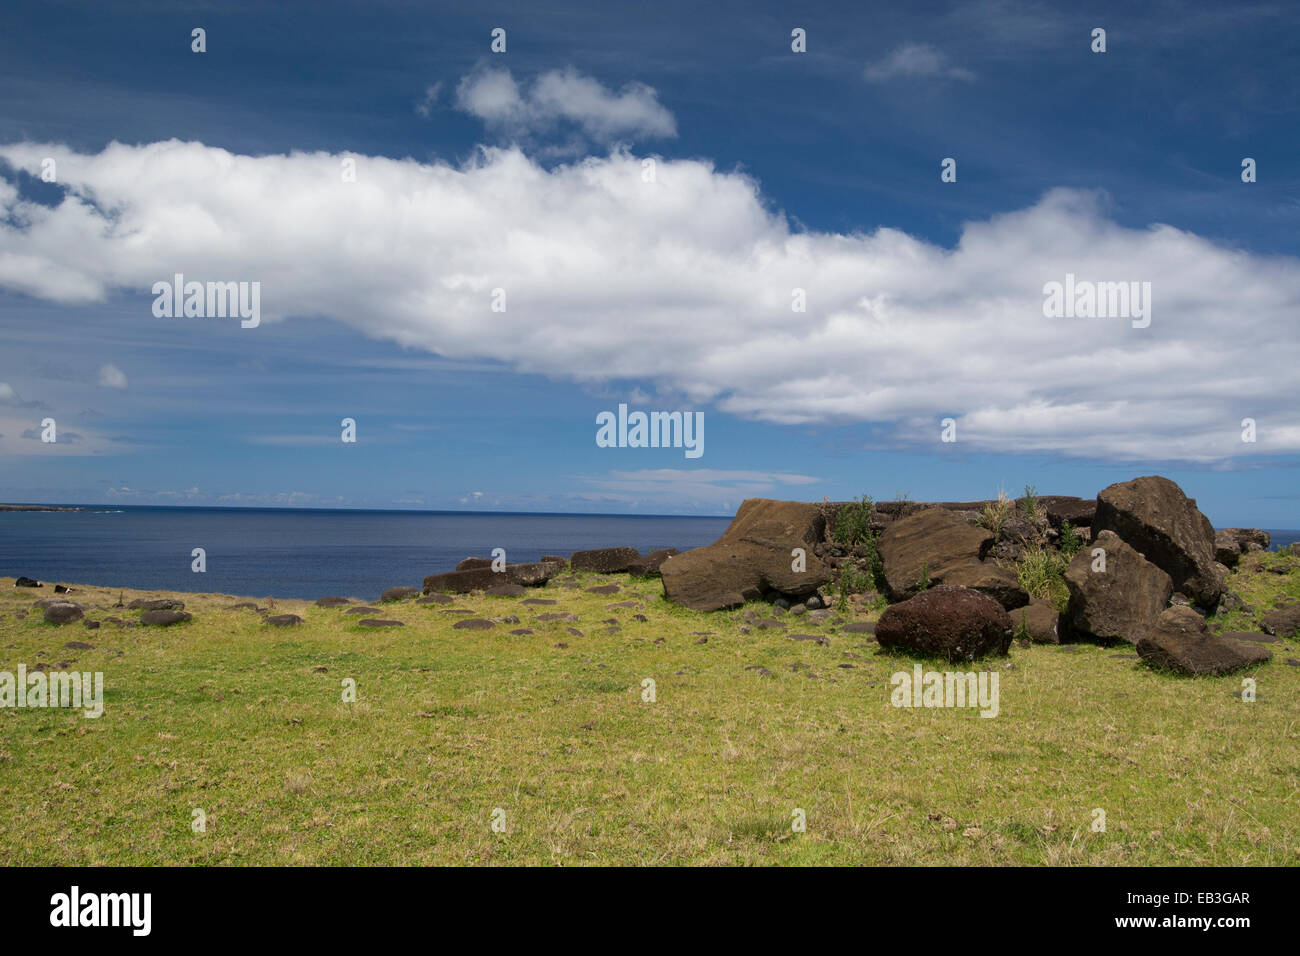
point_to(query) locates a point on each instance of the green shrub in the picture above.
(853, 523)
(1070, 542)
(1041, 572)
(1031, 502)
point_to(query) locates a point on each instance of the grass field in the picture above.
(247, 723)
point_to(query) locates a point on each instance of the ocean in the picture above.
(305, 554)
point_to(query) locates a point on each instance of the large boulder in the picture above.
(1227, 550)
(530, 575)
(1062, 508)
(604, 560)
(1283, 621)
(999, 583)
(64, 612)
(1121, 602)
(952, 622)
(1039, 621)
(164, 618)
(931, 544)
(1154, 516)
(1179, 641)
(753, 556)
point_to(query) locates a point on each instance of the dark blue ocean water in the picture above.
(305, 554)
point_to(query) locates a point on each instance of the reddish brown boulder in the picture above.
(1154, 516)
(1180, 642)
(753, 556)
(956, 623)
(1123, 601)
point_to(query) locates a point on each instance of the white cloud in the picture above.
(564, 96)
(425, 106)
(914, 60)
(685, 285)
(7, 393)
(110, 376)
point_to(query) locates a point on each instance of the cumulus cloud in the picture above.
(916, 60)
(7, 393)
(560, 97)
(110, 376)
(685, 284)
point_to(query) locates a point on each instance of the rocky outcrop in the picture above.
(1154, 517)
(951, 622)
(1179, 641)
(1231, 543)
(753, 556)
(604, 560)
(533, 574)
(1120, 603)
(1059, 509)
(938, 546)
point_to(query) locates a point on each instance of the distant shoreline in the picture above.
(37, 508)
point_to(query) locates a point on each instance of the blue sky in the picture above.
(525, 170)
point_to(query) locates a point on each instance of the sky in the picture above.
(473, 253)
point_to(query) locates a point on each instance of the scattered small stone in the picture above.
(574, 631)
(283, 620)
(561, 645)
(604, 589)
(78, 646)
(816, 638)
(539, 601)
(767, 624)
(559, 616)
(798, 609)
(621, 604)
(320, 670)
(458, 610)
(661, 640)
(333, 601)
(379, 622)
(506, 590)
(473, 624)
(245, 606)
(760, 670)
(436, 598)
(362, 610)
(90, 625)
(522, 631)
(640, 617)
(1124, 657)
(510, 619)
(400, 593)
(702, 640)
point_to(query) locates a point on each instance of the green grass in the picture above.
(247, 722)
